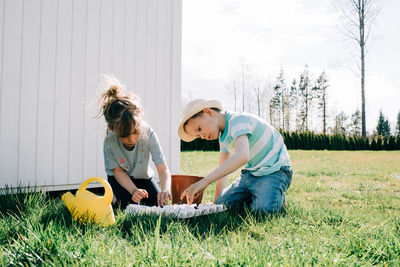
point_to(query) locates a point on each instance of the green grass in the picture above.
(344, 209)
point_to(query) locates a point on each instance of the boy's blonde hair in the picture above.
(193, 109)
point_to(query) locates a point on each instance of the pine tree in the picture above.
(293, 103)
(386, 127)
(303, 141)
(295, 140)
(320, 89)
(392, 143)
(398, 142)
(373, 145)
(397, 130)
(367, 144)
(347, 145)
(355, 123)
(379, 143)
(276, 103)
(332, 142)
(352, 143)
(306, 95)
(274, 111)
(287, 139)
(339, 126)
(385, 143)
(281, 100)
(326, 142)
(383, 127)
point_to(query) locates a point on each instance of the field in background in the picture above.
(322, 176)
(344, 208)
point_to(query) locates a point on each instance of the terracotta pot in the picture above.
(179, 183)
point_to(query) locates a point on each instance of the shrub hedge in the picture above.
(313, 141)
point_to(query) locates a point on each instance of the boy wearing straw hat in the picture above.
(266, 174)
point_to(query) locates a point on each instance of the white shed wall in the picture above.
(51, 55)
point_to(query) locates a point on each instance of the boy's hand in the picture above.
(192, 191)
(138, 194)
(163, 198)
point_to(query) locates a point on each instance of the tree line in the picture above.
(291, 108)
(313, 141)
(296, 104)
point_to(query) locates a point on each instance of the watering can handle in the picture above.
(108, 195)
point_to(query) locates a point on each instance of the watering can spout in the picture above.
(86, 206)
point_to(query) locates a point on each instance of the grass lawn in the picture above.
(344, 209)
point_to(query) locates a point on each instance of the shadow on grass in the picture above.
(210, 225)
(57, 214)
(36, 207)
(20, 200)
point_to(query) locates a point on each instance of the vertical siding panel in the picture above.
(2, 149)
(118, 39)
(29, 91)
(10, 87)
(130, 44)
(106, 42)
(2, 15)
(168, 83)
(176, 82)
(62, 93)
(105, 62)
(161, 85)
(100, 121)
(129, 53)
(150, 68)
(101, 130)
(150, 63)
(51, 53)
(45, 130)
(92, 68)
(140, 49)
(77, 91)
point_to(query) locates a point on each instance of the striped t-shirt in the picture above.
(268, 153)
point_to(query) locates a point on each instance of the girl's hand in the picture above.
(139, 194)
(192, 191)
(163, 198)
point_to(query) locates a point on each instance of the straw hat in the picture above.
(191, 109)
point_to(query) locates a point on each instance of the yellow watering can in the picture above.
(86, 206)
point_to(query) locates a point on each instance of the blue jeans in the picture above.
(263, 193)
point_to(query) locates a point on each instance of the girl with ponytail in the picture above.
(128, 144)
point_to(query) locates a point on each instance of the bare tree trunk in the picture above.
(357, 20)
(287, 114)
(362, 46)
(234, 89)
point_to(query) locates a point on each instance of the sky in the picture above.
(266, 35)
